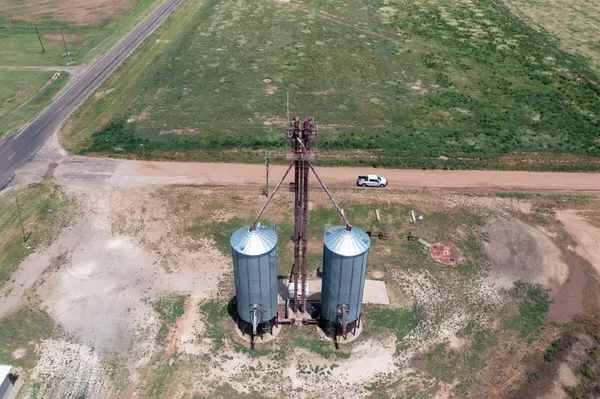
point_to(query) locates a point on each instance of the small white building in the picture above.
(7, 381)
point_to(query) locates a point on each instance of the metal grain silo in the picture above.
(345, 255)
(255, 274)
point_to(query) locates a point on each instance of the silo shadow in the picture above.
(232, 309)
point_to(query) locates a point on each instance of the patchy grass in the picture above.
(161, 379)
(400, 84)
(169, 308)
(23, 95)
(550, 353)
(310, 341)
(216, 314)
(86, 41)
(398, 321)
(534, 303)
(41, 225)
(533, 376)
(22, 330)
(450, 364)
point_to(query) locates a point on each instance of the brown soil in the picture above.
(377, 274)
(50, 172)
(270, 90)
(568, 300)
(76, 12)
(586, 236)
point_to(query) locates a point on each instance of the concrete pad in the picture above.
(375, 291)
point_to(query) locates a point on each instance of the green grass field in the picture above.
(398, 83)
(23, 95)
(85, 40)
(575, 23)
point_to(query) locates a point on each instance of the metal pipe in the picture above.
(286, 321)
(309, 321)
(297, 206)
(296, 233)
(304, 224)
(344, 323)
(348, 226)
(253, 226)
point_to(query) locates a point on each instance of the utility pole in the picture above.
(62, 32)
(20, 219)
(40, 38)
(267, 156)
(287, 106)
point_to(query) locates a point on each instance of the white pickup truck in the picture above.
(371, 181)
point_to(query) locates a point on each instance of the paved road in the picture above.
(20, 148)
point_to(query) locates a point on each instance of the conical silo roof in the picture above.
(346, 243)
(253, 243)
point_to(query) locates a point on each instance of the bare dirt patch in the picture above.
(377, 274)
(76, 12)
(586, 236)
(323, 93)
(519, 251)
(18, 353)
(180, 131)
(102, 93)
(270, 90)
(418, 87)
(274, 121)
(118, 255)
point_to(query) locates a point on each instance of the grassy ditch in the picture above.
(24, 95)
(45, 210)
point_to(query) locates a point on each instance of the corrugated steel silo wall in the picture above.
(343, 283)
(256, 283)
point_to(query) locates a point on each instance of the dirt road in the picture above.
(93, 172)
